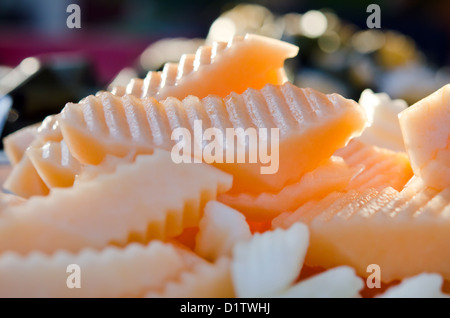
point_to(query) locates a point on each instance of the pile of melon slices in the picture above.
(96, 186)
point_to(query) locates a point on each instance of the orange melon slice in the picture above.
(379, 167)
(332, 175)
(24, 181)
(404, 233)
(426, 132)
(112, 272)
(54, 164)
(220, 228)
(115, 207)
(304, 118)
(204, 280)
(219, 69)
(16, 143)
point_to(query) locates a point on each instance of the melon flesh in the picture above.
(332, 175)
(220, 228)
(205, 280)
(404, 233)
(115, 207)
(426, 132)
(112, 272)
(24, 180)
(54, 164)
(304, 118)
(382, 111)
(218, 69)
(16, 143)
(379, 167)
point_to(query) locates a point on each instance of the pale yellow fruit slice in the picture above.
(220, 228)
(16, 143)
(421, 286)
(339, 282)
(204, 280)
(270, 262)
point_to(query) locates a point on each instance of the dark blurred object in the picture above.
(39, 87)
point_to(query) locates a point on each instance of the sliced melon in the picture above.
(304, 119)
(16, 143)
(270, 262)
(220, 228)
(426, 132)
(54, 164)
(404, 233)
(112, 272)
(221, 68)
(138, 201)
(204, 280)
(379, 167)
(333, 175)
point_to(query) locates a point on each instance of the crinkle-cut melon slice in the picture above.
(382, 111)
(24, 181)
(333, 175)
(426, 132)
(54, 164)
(424, 285)
(270, 262)
(204, 280)
(380, 168)
(304, 118)
(404, 233)
(339, 282)
(219, 69)
(146, 199)
(112, 272)
(16, 143)
(220, 228)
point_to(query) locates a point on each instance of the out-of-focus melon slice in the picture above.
(112, 272)
(221, 68)
(220, 228)
(24, 181)
(421, 286)
(426, 132)
(270, 262)
(339, 282)
(16, 143)
(204, 280)
(304, 119)
(138, 201)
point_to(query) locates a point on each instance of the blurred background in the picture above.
(44, 64)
